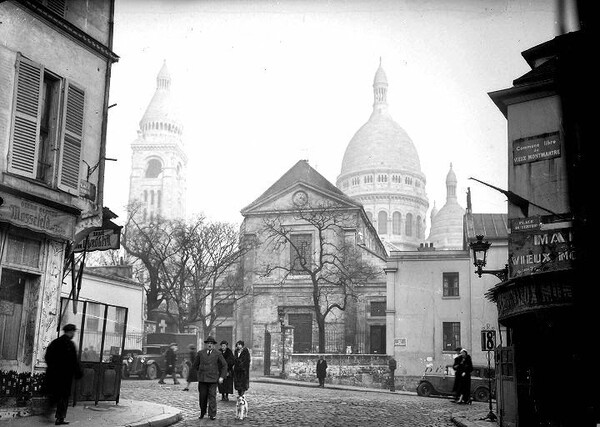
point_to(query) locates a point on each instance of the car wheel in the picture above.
(482, 394)
(152, 372)
(124, 372)
(185, 370)
(424, 389)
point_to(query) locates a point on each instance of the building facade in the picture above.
(306, 207)
(382, 171)
(547, 302)
(55, 62)
(435, 303)
(158, 161)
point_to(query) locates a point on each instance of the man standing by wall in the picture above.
(392, 365)
(170, 364)
(212, 368)
(61, 358)
(321, 370)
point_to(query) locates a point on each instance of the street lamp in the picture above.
(480, 249)
(281, 315)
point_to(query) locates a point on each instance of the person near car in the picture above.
(212, 370)
(192, 376)
(170, 364)
(241, 368)
(466, 367)
(62, 367)
(226, 388)
(457, 374)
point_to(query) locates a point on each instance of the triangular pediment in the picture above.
(301, 186)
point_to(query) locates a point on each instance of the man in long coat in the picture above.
(170, 364)
(63, 366)
(212, 369)
(321, 370)
(241, 368)
(226, 388)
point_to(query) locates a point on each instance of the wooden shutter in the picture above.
(72, 136)
(26, 118)
(57, 6)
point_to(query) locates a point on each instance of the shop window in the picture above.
(23, 251)
(451, 332)
(47, 127)
(450, 284)
(300, 253)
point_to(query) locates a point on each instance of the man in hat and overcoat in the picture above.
(63, 366)
(212, 369)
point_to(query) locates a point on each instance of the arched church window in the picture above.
(419, 228)
(154, 168)
(370, 216)
(159, 199)
(382, 222)
(396, 222)
(409, 224)
(152, 197)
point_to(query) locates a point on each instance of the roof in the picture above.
(493, 226)
(301, 172)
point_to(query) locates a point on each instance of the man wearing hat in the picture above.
(170, 364)
(212, 368)
(61, 359)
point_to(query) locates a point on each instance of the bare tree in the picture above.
(190, 266)
(336, 266)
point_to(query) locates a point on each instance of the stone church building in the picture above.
(361, 327)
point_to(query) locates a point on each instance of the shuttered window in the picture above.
(41, 128)
(56, 6)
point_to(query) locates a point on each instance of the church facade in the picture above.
(158, 161)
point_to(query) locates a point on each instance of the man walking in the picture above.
(212, 368)
(61, 358)
(170, 364)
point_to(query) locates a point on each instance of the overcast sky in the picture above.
(263, 84)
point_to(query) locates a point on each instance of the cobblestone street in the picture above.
(289, 405)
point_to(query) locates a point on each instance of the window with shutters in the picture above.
(47, 127)
(300, 253)
(56, 6)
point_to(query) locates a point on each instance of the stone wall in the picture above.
(360, 370)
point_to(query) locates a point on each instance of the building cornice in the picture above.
(69, 30)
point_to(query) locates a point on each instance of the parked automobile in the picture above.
(151, 362)
(128, 357)
(440, 382)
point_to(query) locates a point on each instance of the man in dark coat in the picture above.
(392, 365)
(226, 388)
(321, 370)
(457, 374)
(466, 367)
(241, 368)
(170, 364)
(61, 358)
(212, 369)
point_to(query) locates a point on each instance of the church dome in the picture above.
(447, 224)
(161, 113)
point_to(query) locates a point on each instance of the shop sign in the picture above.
(532, 296)
(548, 248)
(37, 217)
(100, 240)
(400, 342)
(535, 148)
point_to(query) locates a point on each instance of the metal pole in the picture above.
(490, 416)
(282, 350)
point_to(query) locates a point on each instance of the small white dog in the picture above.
(241, 408)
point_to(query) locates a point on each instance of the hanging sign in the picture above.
(100, 240)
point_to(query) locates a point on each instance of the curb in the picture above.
(329, 386)
(158, 421)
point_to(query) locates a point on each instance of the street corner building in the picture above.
(55, 64)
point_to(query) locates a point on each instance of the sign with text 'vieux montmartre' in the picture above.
(535, 148)
(539, 244)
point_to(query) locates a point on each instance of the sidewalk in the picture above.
(460, 418)
(128, 413)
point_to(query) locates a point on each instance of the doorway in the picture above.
(377, 339)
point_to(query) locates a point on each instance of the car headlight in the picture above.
(142, 360)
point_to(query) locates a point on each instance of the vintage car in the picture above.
(440, 382)
(127, 360)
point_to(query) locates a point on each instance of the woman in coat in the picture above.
(192, 373)
(226, 388)
(241, 368)
(466, 367)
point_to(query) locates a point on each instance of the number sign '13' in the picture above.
(488, 340)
